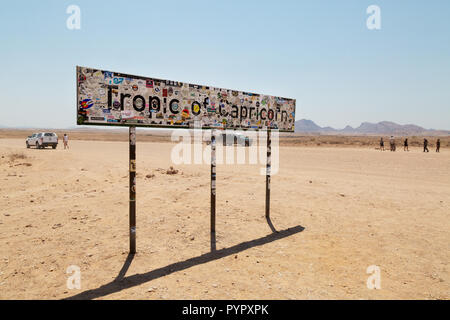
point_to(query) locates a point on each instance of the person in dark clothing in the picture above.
(438, 145)
(405, 145)
(392, 143)
(382, 144)
(425, 145)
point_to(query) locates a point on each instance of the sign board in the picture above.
(117, 99)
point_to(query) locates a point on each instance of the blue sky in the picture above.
(318, 52)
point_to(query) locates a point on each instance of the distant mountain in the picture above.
(386, 127)
(307, 126)
(367, 128)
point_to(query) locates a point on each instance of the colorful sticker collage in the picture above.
(110, 98)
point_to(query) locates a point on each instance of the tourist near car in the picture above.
(42, 139)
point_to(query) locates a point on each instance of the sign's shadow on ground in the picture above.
(121, 282)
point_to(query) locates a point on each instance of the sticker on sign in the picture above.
(142, 101)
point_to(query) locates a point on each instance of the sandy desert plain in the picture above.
(338, 206)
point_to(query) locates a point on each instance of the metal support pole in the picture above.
(268, 167)
(132, 140)
(213, 183)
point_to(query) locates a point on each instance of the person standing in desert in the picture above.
(425, 145)
(382, 144)
(66, 141)
(438, 145)
(392, 143)
(405, 145)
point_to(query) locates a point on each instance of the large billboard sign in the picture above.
(117, 99)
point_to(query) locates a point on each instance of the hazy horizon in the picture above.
(156, 128)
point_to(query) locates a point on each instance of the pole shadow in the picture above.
(269, 222)
(213, 241)
(125, 267)
(121, 282)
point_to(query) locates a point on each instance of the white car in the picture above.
(42, 139)
(229, 139)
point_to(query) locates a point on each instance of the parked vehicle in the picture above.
(242, 140)
(235, 138)
(229, 139)
(42, 139)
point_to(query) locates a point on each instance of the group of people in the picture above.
(406, 144)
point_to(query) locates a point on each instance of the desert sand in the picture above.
(337, 211)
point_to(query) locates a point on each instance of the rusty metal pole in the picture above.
(132, 148)
(268, 167)
(213, 183)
